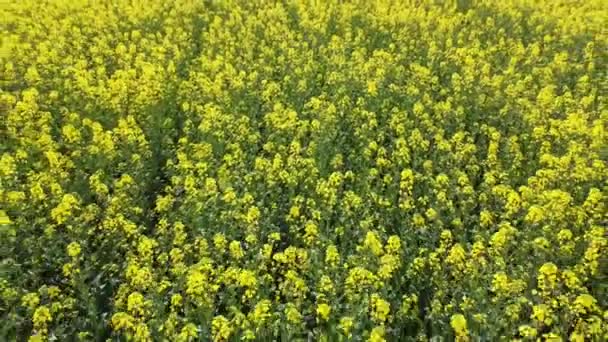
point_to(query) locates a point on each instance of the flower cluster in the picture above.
(257, 170)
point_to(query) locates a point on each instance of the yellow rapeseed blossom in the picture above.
(292, 314)
(64, 209)
(323, 311)
(459, 324)
(367, 170)
(346, 325)
(41, 317)
(4, 219)
(377, 334)
(221, 329)
(372, 243)
(547, 276)
(380, 309)
(74, 249)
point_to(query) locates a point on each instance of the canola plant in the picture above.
(303, 170)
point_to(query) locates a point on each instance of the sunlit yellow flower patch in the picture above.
(331, 170)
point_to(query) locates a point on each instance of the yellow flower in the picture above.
(585, 303)
(220, 242)
(248, 335)
(332, 257)
(346, 324)
(459, 324)
(326, 286)
(164, 203)
(176, 300)
(552, 337)
(513, 203)
(323, 311)
(372, 87)
(42, 316)
(456, 257)
(485, 218)
(512, 311)
(418, 220)
(294, 212)
(73, 249)
(70, 133)
(136, 304)
(64, 209)
(235, 250)
(393, 245)
(8, 166)
(547, 276)
(431, 214)
(199, 287)
(358, 280)
(146, 246)
(527, 331)
(311, 232)
(372, 243)
(388, 264)
(142, 332)
(542, 313)
(292, 314)
(541, 243)
(15, 197)
(261, 312)
(188, 333)
(30, 300)
(37, 338)
(377, 334)
(252, 216)
(220, 328)
(500, 283)
(68, 269)
(577, 337)
(247, 279)
(4, 219)
(175, 137)
(54, 292)
(274, 236)
(37, 192)
(380, 309)
(535, 214)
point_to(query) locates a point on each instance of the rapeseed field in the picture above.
(299, 170)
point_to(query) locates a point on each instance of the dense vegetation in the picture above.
(327, 170)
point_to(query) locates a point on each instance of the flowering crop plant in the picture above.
(299, 170)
